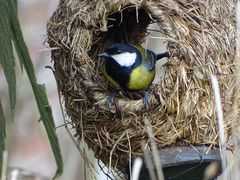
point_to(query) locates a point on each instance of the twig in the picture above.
(111, 152)
(156, 156)
(130, 155)
(219, 111)
(4, 165)
(137, 165)
(149, 164)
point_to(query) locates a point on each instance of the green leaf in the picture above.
(10, 31)
(2, 133)
(47, 118)
(7, 60)
(39, 90)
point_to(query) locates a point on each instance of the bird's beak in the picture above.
(103, 55)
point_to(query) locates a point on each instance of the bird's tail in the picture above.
(162, 55)
(167, 54)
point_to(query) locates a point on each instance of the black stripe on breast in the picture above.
(118, 73)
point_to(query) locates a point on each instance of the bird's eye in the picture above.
(118, 51)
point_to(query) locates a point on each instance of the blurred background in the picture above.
(27, 143)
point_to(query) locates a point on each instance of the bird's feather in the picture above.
(141, 78)
(114, 83)
(125, 59)
(148, 58)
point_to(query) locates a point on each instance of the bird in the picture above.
(131, 68)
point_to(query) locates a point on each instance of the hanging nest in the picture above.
(182, 108)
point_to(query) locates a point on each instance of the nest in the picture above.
(182, 110)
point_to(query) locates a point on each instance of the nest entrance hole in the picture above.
(129, 25)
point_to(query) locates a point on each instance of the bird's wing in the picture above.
(148, 58)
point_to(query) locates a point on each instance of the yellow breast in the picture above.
(141, 78)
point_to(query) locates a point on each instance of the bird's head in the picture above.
(123, 54)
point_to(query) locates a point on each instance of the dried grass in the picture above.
(182, 111)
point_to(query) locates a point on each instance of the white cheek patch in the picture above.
(125, 59)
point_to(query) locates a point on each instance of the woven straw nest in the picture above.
(182, 109)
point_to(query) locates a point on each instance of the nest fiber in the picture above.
(181, 109)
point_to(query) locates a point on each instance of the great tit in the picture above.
(130, 68)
